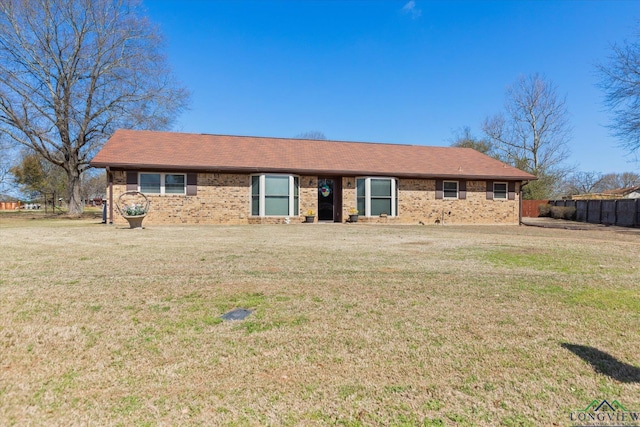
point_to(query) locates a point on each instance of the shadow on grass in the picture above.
(604, 363)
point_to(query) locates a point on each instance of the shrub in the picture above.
(544, 210)
(570, 213)
(561, 212)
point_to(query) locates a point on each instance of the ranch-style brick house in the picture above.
(222, 179)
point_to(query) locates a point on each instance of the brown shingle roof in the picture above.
(622, 191)
(129, 149)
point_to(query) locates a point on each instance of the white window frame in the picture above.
(261, 195)
(506, 191)
(162, 182)
(444, 191)
(367, 194)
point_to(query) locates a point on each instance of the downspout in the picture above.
(522, 184)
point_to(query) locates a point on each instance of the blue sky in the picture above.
(410, 72)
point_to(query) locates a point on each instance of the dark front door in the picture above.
(329, 199)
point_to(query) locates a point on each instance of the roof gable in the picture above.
(129, 149)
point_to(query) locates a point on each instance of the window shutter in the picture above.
(192, 184)
(462, 191)
(489, 190)
(132, 180)
(512, 190)
(439, 192)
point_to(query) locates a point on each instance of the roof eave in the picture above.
(227, 169)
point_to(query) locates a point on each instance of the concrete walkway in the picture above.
(547, 222)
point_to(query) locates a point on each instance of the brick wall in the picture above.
(221, 199)
(417, 203)
(226, 199)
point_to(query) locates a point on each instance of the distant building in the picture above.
(8, 203)
(619, 193)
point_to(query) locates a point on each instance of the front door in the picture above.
(329, 199)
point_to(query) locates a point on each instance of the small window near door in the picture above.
(361, 196)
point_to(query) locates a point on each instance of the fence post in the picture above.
(586, 211)
(600, 205)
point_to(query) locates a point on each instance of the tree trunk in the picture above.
(74, 199)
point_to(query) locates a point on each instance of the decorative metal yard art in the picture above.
(133, 206)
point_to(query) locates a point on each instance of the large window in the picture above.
(275, 195)
(500, 190)
(377, 196)
(162, 183)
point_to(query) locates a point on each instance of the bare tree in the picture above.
(465, 139)
(583, 183)
(72, 71)
(614, 181)
(5, 161)
(595, 182)
(93, 185)
(620, 81)
(312, 134)
(533, 132)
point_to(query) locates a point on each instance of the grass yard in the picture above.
(353, 324)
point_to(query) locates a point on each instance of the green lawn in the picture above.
(352, 324)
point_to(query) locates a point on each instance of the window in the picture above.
(500, 190)
(174, 184)
(377, 196)
(275, 195)
(450, 189)
(150, 183)
(162, 183)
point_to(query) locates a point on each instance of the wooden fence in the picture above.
(621, 212)
(8, 206)
(530, 208)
